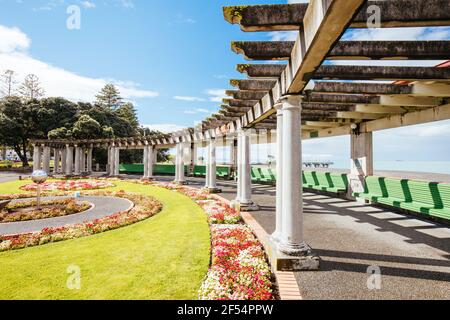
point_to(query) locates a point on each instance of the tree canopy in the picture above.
(27, 117)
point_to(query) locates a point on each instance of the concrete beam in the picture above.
(407, 119)
(240, 103)
(382, 50)
(246, 95)
(266, 17)
(290, 16)
(263, 50)
(262, 70)
(255, 85)
(361, 88)
(359, 115)
(381, 73)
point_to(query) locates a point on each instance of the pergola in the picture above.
(305, 96)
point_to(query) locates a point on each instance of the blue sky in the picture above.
(172, 59)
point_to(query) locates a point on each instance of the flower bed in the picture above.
(239, 269)
(70, 185)
(27, 210)
(144, 207)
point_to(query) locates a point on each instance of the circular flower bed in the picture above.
(70, 185)
(27, 210)
(144, 207)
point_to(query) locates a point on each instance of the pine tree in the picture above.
(109, 97)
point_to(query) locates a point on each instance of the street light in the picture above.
(39, 177)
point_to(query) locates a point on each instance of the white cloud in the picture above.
(216, 95)
(12, 39)
(198, 110)
(57, 81)
(88, 4)
(189, 99)
(391, 34)
(165, 128)
(283, 35)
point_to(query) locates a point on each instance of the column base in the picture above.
(212, 190)
(147, 179)
(248, 207)
(183, 183)
(280, 261)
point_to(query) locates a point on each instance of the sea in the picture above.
(442, 167)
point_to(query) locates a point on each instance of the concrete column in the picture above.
(155, 155)
(279, 187)
(56, 161)
(150, 157)
(112, 160)
(239, 168)
(193, 160)
(145, 161)
(233, 155)
(83, 160)
(211, 168)
(89, 160)
(69, 160)
(361, 161)
(108, 162)
(63, 160)
(77, 161)
(179, 164)
(117, 162)
(3, 153)
(46, 159)
(36, 158)
(292, 238)
(246, 201)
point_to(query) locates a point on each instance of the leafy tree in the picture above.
(86, 128)
(31, 88)
(109, 97)
(55, 113)
(18, 125)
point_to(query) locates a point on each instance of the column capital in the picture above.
(291, 101)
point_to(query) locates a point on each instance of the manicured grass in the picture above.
(164, 257)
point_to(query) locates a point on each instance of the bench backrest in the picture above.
(398, 189)
(425, 192)
(444, 192)
(376, 186)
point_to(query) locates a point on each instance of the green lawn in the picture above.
(164, 257)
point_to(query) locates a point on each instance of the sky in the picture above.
(172, 60)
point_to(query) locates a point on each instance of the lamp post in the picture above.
(39, 177)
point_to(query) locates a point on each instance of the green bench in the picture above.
(131, 168)
(325, 181)
(428, 198)
(222, 172)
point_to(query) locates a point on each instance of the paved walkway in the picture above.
(413, 254)
(103, 207)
